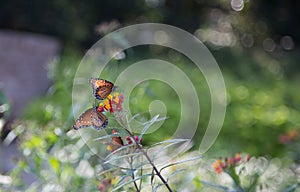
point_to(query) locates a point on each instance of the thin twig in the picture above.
(132, 175)
(141, 179)
(150, 161)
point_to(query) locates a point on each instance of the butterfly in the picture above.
(91, 117)
(116, 141)
(101, 87)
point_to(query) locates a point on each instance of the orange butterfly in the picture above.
(101, 87)
(91, 117)
(116, 142)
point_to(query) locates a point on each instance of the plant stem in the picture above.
(132, 175)
(150, 161)
(141, 173)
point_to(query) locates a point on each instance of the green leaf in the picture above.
(34, 142)
(112, 159)
(107, 171)
(37, 161)
(114, 153)
(135, 116)
(292, 188)
(54, 164)
(151, 122)
(253, 183)
(157, 187)
(180, 162)
(131, 181)
(109, 136)
(170, 141)
(122, 179)
(215, 186)
(118, 150)
(234, 176)
(197, 183)
(174, 173)
(51, 137)
(163, 149)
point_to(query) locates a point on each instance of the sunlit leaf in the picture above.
(54, 164)
(197, 182)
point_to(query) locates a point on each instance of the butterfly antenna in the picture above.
(115, 88)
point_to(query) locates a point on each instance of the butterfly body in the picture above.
(91, 117)
(101, 87)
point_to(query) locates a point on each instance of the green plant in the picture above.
(133, 163)
(250, 174)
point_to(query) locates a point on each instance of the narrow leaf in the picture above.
(118, 150)
(170, 141)
(234, 176)
(253, 183)
(122, 179)
(180, 162)
(109, 136)
(162, 149)
(131, 181)
(174, 173)
(108, 170)
(292, 188)
(135, 116)
(156, 187)
(148, 125)
(214, 186)
(152, 177)
(121, 157)
(151, 122)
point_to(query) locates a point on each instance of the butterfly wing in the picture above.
(116, 141)
(102, 92)
(91, 117)
(101, 87)
(98, 120)
(96, 82)
(84, 120)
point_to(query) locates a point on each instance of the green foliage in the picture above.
(262, 87)
(257, 113)
(250, 175)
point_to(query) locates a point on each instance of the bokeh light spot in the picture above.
(269, 45)
(237, 5)
(287, 43)
(247, 40)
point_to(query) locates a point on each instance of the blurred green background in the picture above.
(255, 43)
